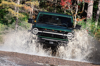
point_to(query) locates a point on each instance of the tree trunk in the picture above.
(83, 6)
(97, 16)
(75, 16)
(76, 13)
(90, 10)
(55, 6)
(31, 11)
(17, 10)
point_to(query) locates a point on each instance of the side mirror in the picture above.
(30, 20)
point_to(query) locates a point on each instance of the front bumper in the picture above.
(52, 37)
(51, 42)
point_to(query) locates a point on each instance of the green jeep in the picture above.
(52, 28)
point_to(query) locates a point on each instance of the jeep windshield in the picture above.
(55, 20)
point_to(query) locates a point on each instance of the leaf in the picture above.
(19, 15)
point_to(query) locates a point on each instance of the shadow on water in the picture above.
(52, 48)
(94, 56)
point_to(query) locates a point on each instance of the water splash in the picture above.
(22, 42)
(81, 48)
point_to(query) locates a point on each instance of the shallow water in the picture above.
(82, 47)
(5, 62)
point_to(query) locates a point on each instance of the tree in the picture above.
(74, 5)
(98, 13)
(73, 8)
(90, 9)
(66, 4)
(31, 6)
(17, 11)
(15, 8)
(51, 5)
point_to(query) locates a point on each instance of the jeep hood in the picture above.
(53, 27)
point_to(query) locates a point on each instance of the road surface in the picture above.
(19, 59)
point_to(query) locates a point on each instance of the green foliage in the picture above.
(7, 20)
(23, 22)
(50, 6)
(25, 25)
(2, 27)
(95, 7)
(0, 1)
(90, 27)
(3, 12)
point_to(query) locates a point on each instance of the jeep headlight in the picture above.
(35, 31)
(70, 35)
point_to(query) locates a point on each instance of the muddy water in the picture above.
(82, 47)
(5, 62)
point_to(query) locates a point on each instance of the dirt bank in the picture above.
(29, 60)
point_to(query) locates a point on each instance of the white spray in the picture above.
(22, 42)
(82, 47)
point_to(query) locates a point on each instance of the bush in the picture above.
(90, 27)
(2, 27)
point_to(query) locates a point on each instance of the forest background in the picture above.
(15, 13)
